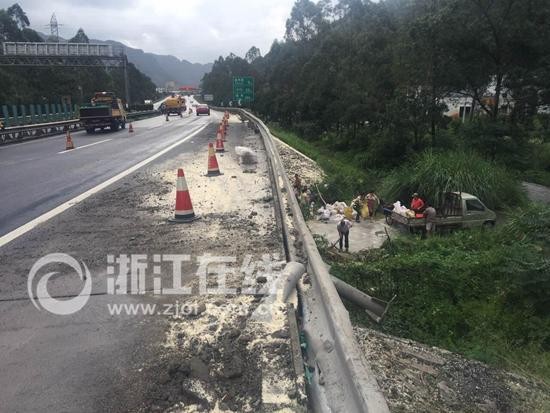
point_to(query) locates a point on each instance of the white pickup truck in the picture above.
(458, 210)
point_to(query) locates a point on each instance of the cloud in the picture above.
(198, 31)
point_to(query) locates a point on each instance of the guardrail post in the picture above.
(14, 112)
(51, 116)
(6, 115)
(31, 109)
(23, 115)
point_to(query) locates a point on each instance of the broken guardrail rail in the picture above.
(342, 380)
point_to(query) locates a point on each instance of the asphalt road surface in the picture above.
(94, 360)
(84, 362)
(40, 175)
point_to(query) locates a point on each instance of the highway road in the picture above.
(40, 175)
(95, 360)
(83, 362)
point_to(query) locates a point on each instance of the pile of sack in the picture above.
(403, 210)
(246, 155)
(335, 212)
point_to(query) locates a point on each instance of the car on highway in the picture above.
(202, 110)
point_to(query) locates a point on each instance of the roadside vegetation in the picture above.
(372, 81)
(481, 293)
(433, 173)
(343, 178)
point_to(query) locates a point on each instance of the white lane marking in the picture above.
(85, 146)
(10, 236)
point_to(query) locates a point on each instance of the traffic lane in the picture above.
(88, 361)
(36, 149)
(106, 360)
(29, 189)
(91, 226)
(76, 363)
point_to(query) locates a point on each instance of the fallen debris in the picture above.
(418, 378)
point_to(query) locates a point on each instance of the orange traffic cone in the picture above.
(219, 145)
(213, 168)
(221, 134)
(184, 208)
(69, 143)
(130, 128)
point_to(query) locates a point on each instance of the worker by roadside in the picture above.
(357, 205)
(430, 214)
(297, 185)
(372, 202)
(417, 203)
(304, 197)
(343, 228)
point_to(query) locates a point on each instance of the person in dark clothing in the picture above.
(343, 231)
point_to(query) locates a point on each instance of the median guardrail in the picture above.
(39, 130)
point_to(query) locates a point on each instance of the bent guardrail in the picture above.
(342, 380)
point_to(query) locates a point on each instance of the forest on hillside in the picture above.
(34, 85)
(376, 78)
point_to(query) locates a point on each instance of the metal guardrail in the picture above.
(342, 380)
(40, 130)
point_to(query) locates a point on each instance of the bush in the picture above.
(482, 293)
(431, 174)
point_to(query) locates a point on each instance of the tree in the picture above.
(18, 15)
(305, 21)
(80, 37)
(9, 31)
(252, 54)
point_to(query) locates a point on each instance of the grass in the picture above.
(344, 179)
(431, 174)
(537, 177)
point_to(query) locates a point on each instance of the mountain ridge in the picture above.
(160, 68)
(165, 68)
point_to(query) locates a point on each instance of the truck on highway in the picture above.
(174, 105)
(104, 111)
(457, 210)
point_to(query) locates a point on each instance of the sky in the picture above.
(195, 30)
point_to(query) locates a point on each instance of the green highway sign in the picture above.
(243, 89)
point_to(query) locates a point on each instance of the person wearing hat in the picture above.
(417, 204)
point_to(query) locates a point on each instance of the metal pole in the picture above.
(126, 84)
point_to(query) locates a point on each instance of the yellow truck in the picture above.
(174, 105)
(104, 111)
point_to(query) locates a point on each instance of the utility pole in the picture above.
(126, 83)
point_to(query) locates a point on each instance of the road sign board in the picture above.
(208, 98)
(243, 88)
